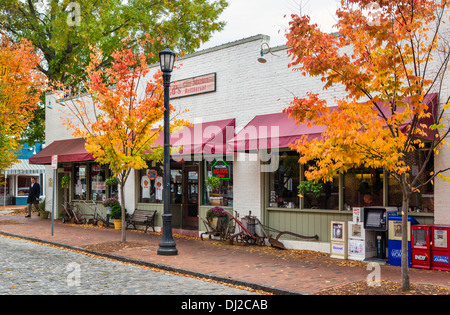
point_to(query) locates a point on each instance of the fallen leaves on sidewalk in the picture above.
(9, 222)
(114, 246)
(386, 288)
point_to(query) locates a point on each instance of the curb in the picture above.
(251, 285)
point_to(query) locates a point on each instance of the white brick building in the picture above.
(245, 88)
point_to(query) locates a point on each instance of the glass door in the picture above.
(191, 197)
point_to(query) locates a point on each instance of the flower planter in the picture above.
(44, 214)
(117, 224)
(218, 223)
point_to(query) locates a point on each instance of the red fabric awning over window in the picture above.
(278, 130)
(71, 150)
(432, 101)
(271, 131)
(202, 138)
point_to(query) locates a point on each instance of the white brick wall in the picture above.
(246, 88)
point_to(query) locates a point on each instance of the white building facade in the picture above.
(233, 89)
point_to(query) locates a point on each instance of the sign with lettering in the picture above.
(441, 259)
(221, 170)
(193, 86)
(421, 257)
(54, 162)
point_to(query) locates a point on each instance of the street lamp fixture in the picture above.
(167, 246)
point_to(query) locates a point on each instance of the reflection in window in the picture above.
(23, 185)
(363, 187)
(98, 185)
(176, 185)
(329, 198)
(422, 201)
(222, 195)
(80, 182)
(4, 189)
(151, 184)
(283, 183)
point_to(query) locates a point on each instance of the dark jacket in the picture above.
(35, 192)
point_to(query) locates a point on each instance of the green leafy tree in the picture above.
(64, 30)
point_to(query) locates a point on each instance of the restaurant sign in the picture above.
(221, 170)
(193, 86)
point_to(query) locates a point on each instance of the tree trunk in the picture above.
(122, 204)
(405, 249)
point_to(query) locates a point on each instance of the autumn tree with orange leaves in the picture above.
(118, 118)
(390, 57)
(21, 85)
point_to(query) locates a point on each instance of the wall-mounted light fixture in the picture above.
(262, 59)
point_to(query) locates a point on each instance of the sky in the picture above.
(246, 18)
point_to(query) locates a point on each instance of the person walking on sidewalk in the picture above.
(33, 196)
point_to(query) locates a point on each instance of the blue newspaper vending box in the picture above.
(395, 240)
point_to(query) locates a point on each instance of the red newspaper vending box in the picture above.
(421, 246)
(440, 249)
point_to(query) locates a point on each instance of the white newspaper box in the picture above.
(339, 239)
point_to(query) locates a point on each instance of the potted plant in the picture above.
(310, 186)
(65, 181)
(109, 203)
(43, 214)
(111, 181)
(217, 217)
(213, 184)
(116, 215)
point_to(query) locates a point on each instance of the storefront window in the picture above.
(422, 201)
(23, 185)
(80, 182)
(4, 189)
(218, 183)
(363, 187)
(151, 185)
(98, 185)
(283, 183)
(328, 199)
(176, 184)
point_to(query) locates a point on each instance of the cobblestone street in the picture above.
(29, 268)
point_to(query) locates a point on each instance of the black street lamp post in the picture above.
(167, 245)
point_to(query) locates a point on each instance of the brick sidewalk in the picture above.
(287, 271)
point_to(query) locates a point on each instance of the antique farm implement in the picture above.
(249, 230)
(275, 241)
(98, 218)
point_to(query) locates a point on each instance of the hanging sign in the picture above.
(152, 174)
(193, 86)
(221, 170)
(54, 162)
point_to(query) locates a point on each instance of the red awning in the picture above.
(278, 130)
(71, 150)
(431, 100)
(202, 138)
(271, 131)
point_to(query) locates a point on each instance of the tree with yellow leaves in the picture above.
(391, 57)
(21, 85)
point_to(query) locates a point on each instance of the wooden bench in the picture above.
(142, 217)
